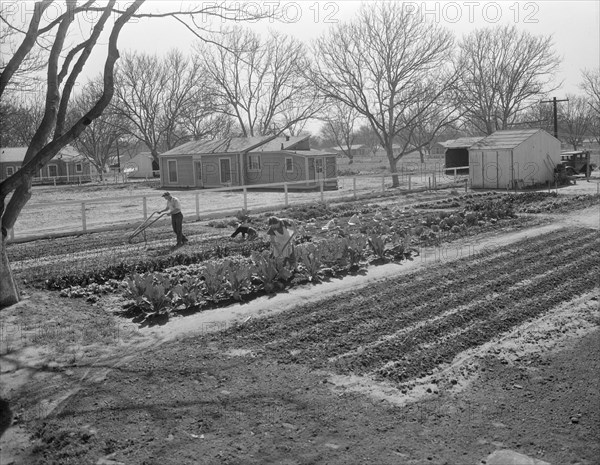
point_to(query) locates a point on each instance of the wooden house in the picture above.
(248, 161)
(67, 166)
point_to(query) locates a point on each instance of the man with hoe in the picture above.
(174, 209)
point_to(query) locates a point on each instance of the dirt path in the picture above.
(22, 367)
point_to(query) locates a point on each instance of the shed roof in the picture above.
(506, 139)
(17, 154)
(227, 145)
(462, 142)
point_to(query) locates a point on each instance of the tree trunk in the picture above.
(393, 165)
(9, 294)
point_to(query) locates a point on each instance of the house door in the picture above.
(198, 174)
(225, 170)
(319, 169)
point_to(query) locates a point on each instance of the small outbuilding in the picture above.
(248, 161)
(140, 166)
(513, 158)
(457, 154)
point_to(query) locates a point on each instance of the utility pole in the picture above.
(554, 101)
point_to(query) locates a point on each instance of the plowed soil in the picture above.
(436, 363)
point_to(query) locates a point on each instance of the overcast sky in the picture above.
(574, 25)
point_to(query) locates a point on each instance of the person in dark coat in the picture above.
(245, 231)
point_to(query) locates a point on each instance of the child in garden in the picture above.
(245, 231)
(281, 232)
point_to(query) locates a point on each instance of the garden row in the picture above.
(527, 202)
(404, 328)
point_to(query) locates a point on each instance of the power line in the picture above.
(554, 101)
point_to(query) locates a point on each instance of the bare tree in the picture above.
(575, 120)
(63, 66)
(366, 136)
(98, 142)
(339, 127)
(260, 84)
(25, 77)
(503, 72)
(591, 87)
(155, 95)
(392, 67)
(536, 116)
(20, 119)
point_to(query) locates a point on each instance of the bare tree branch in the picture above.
(503, 72)
(392, 68)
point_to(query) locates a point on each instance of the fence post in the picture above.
(83, 222)
(321, 188)
(434, 183)
(429, 183)
(197, 206)
(145, 209)
(80, 180)
(245, 198)
(285, 193)
(409, 182)
(454, 174)
(354, 186)
(54, 182)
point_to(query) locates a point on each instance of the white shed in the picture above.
(139, 166)
(513, 158)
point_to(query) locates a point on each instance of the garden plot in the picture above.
(266, 383)
(411, 326)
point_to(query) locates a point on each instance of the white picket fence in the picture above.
(48, 219)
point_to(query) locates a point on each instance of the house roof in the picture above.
(352, 147)
(507, 139)
(281, 143)
(17, 154)
(228, 145)
(462, 142)
(310, 153)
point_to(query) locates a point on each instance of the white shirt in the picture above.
(173, 205)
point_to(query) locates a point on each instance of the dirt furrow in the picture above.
(413, 347)
(318, 331)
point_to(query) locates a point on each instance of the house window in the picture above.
(78, 168)
(289, 165)
(172, 165)
(253, 162)
(10, 170)
(52, 171)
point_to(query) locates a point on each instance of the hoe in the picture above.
(141, 229)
